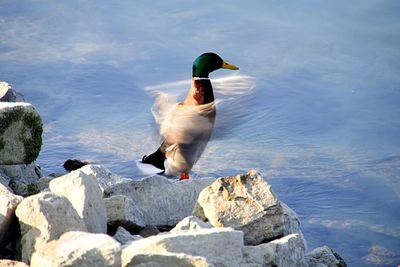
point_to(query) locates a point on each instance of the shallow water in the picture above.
(324, 126)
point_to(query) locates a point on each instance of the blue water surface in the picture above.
(324, 128)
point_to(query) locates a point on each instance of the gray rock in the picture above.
(104, 176)
(84, 192)
(45, 217)
(20, 133)
(162, 201)
(79, 249)
(325, 255)
(219, 246)
(190, 223)
(124, 237)
(8, 221)
(21, 178)
(122, 211)
(247, 203)
(7, 94)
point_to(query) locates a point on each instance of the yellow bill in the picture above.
(228, 66)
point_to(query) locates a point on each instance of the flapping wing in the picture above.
(233, 96)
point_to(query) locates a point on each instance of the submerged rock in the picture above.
(79, 249)
(162, 201)
(7, 94)
(84, 192)
(325, 256)
(45, 217)
(20, 133)
(247, 203)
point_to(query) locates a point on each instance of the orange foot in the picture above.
(184, 176)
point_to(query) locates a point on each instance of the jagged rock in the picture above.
(123, 236)
(11, 263)
(122, 211)
(190, 223)
(22, 178)
(45, 217)
(43, 183)
(219, 246)
(162, 201)
(326, 256)
(79, 249)
(247, 203)
(84, 192)
(8, 221)
(168, 259)
(104, 177)
(20, 133)
(7, 94)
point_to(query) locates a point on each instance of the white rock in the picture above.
(123, 236)
(79, 249)
(324, 256)
(104, 176)
(162, 201)
(11, 263)
(190, 223)
(168, 259)
(247, 203)
(8, 204)
(45, 217)
(84, 192)
(286, 251)
(122, 211)
(219, 246)
(20, 134)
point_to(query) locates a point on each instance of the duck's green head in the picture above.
(207, 63)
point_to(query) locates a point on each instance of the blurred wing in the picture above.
(234, 97)
(232, 94)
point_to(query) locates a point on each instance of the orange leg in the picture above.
(184, 176)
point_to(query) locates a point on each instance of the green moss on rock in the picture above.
(33, 145)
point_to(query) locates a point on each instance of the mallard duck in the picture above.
(187, 126)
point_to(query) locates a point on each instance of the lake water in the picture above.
(324, 123)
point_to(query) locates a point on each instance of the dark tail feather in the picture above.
(156, 159)
(74, 164)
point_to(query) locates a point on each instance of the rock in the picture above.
(325, 255)
(286, 251)
(79, 249)
(22, 178)
(247, 203)
(149, 230)
(104, 176)
(168, 259)
(11, 263)
(219, 246)
(20, 133)
(162, 201)
(123, 236)
(8, 221)
(122, 211)
(43, 183)
(190, 223)
(7, 94)
(45, 217)
(84, 192)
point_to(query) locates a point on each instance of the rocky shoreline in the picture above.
(93, 217)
